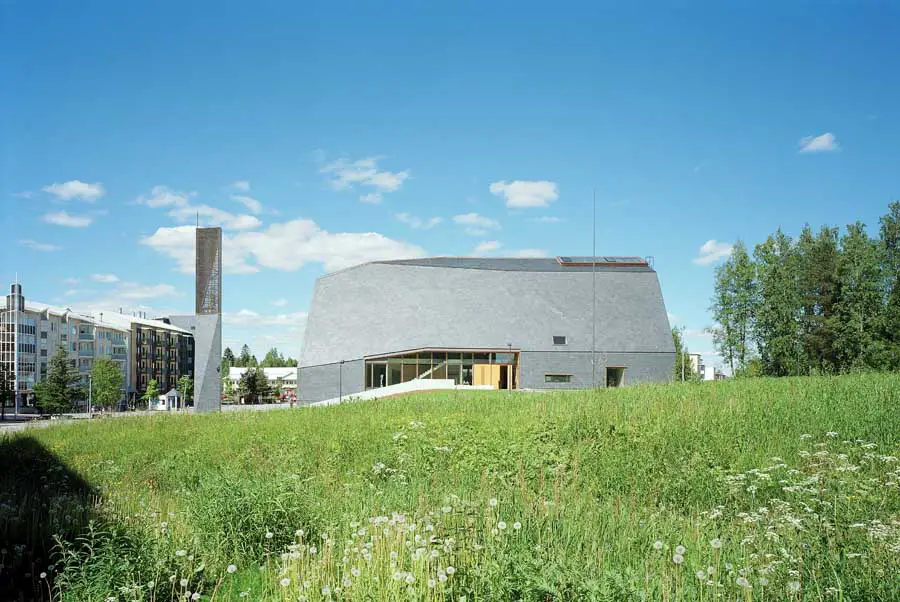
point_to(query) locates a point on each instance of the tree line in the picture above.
(273, 359)
(826, 302)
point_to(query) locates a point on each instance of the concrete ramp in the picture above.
(415, 385)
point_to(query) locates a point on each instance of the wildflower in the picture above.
(728, 566)
(442, 577)
(434, 553)
(701, 575)
(347, 582)
(493, 502)
(181, 553)
(763, 581)
(462, 599)
(410, 579)
(831, 434)
(312, 549)
(195, 596)
(269, 535)
(183, 583)
(43, 575)
(657, 545)
(393, 555)
(517, 525)
(680, 550)
(398, 575)
(244, 594)
(326, 591)
(710, 570)
(450, 570)
(163, 525)
(431, 583)
(494, 531)
(742, 581)
(793, 586)
(324, 536)
(447, 509)
(716, 543)
(806, 436)
(285, 582)
(501, 525)
(678, 559)
(191, 557)
(355, 572)
(298, 533)
(231, 568)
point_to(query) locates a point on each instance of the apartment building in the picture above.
(144, 349)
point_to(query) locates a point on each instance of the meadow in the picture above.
(762, 489)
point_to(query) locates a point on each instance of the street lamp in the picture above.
(90, 395)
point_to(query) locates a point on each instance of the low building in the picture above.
(504, 323)
(285, 378)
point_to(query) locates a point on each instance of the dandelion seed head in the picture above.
(451, 570)
(355, 572)
(701, 575)
(677, 558)
(183, 583)
(657, 545)
(517, 525)
(716, 543)
(493, 502)
(326, 591)
(742, 582)
(501, 525)
(181, 553)
(347, 582)
(680, 550)
(43, 575)
(410, 579)
(231, 568)
(195, 596)
(285, 582)
(763, 581)
(269, 535)
(793, 586)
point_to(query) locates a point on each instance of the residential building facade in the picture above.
(143, 349)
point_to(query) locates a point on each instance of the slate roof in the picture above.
(472, 303)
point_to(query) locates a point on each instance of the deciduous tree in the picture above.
(107, 384)
(60, 389)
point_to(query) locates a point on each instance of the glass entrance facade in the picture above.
(458, 366)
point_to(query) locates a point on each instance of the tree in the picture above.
(151, 393)
(228, 360)
(890, 254)
(858, 312)
(733, 307)
(253, 385)
(682, 358)
(818, 288)
(185, 387)
(776, 315)
(58, 392)
(107, 384)
(7, 388)
(273, 359)
(279, 389)
(244, 360)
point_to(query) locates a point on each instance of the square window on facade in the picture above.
(560, 340)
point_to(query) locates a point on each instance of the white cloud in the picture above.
(163, 196)
(344, 175)
(526, 193)
(285, 246)
(39, 246)
(547, 219)
(105, 278)
(417, 223)
(280, 302)
(183, 212)
(247, 317)
(25, 194)
(819, 144)
(252, 205)
(71, 281)
(712, 251)
(531, 253)
(178, 243)
(372, 198)
(693, 333)
(240, 186)
(62, 218)
(486, 246)
(76, 189)
(474, 224)
(134, 291)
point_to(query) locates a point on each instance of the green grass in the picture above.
(586, 484)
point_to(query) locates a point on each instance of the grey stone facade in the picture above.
(446, 303)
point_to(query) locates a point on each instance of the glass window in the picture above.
(504, 358)
(559, 340)
(454, 356)
(394, 372)
(43, 334)
(454, 371)
(557, 378)
(482, 358)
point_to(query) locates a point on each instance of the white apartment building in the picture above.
(286, 377)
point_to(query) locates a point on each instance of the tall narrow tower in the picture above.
(208, 310)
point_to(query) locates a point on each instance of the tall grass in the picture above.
(744, 490)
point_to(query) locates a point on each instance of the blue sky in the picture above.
(325, 133)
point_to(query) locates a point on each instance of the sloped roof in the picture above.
(467, 303)
(520, 264)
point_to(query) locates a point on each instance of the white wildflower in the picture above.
(450, 570)
(793, 586)
(231, 568)
(517, 525)
(493, 502)
(677, 558)
(716, 543)
(657, 545)
(501, 525)
(181, 553)
(680, 550)
(285, 582)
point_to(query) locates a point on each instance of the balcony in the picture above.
(85, 353)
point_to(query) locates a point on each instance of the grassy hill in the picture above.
(757, 489)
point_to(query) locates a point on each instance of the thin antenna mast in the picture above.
(594, 293)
